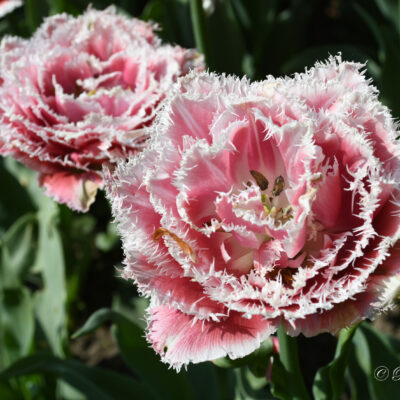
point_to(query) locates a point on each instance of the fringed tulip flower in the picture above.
(261, 204)
(80, 93)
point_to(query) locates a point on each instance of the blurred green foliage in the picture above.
(59, 270)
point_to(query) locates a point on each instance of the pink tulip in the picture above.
(80, 93)
(261, 204)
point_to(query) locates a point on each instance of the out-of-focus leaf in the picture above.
(16, 325)
(329, 380)
(390, 9)
(257, 361)
(27, 179)
(60, 6)
(153, 11)
(105, 241)
(14, 198)
(7, 393)
(379, 361)
(358, 381)
(95, 383)
(173, 17)
(50, 301)
(250, 387)
(132, 307)
(227, 42)
(388, 40)
(17, 251)
(285, 369)
(35, 11)
(163, 382)
(97, 319)
(198, 374)
(374, 27)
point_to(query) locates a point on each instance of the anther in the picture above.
(279, 185)
(158, 233)
(260, 179)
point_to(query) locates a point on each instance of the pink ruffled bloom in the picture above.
(79, 94)
(261, 204)
(7, 6)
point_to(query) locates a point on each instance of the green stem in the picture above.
(289, 358)
(200, 29)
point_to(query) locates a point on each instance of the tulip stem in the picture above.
(200, 29)
(289, 358)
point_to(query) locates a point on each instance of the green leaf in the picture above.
(15, 200)
(286, 368)
(50, 301)
(97, 319)
(16, 325)
(250, 387)
(95, 383)
(329, 380)
(173, 16)
(6, 392)
(35, 11)
(378, 359)
(358, 381)
(257, 361)
(163, 382)
(17, 251)
(198, 374)
(227, 42)
(390, 9)
(59, 6)
(105, 241)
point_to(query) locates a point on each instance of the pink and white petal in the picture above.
(78, 191)
(180, 338)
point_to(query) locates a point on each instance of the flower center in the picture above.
(271, 203)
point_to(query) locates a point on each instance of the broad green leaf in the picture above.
(16, 325)
(329, 380)
(379, 361)
(286, 368)
(359, 382)
(50, 301)
(17, 251)
(95, 383)
(163, 382)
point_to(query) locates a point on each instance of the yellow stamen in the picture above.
(158, 233)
